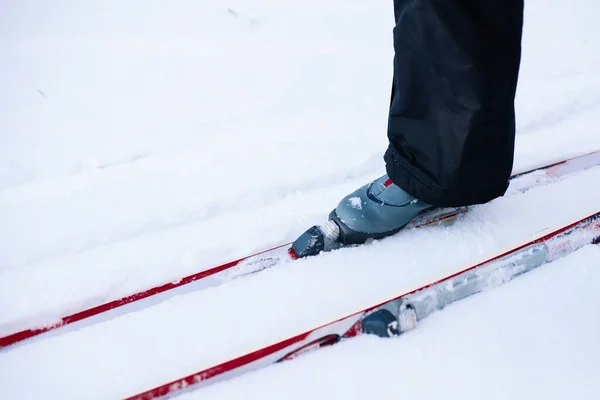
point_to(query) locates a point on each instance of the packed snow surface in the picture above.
(143, 141)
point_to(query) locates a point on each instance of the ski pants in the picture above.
(451, 124)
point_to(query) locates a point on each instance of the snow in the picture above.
(140, 142)
(355, 202)
(199, 329)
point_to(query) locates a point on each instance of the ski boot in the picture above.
(374, 211)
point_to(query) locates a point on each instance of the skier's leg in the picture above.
(452, 120)
(452, 123)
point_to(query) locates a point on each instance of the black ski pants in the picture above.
(451, 124)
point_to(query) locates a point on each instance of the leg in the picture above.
(452, 121)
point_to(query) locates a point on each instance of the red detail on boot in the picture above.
(388, 183)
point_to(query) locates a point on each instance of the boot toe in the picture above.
(376, 209)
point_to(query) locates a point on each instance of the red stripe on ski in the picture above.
(111, 305)
(198, 377)
(591, 222)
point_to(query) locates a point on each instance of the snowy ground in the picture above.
(142, 140)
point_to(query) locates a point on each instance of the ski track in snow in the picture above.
(140, 142)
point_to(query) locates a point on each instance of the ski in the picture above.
(520, 182)
(394, 316)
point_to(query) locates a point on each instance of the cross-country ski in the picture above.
(400, 314)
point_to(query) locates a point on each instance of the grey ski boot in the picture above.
(374, 211)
